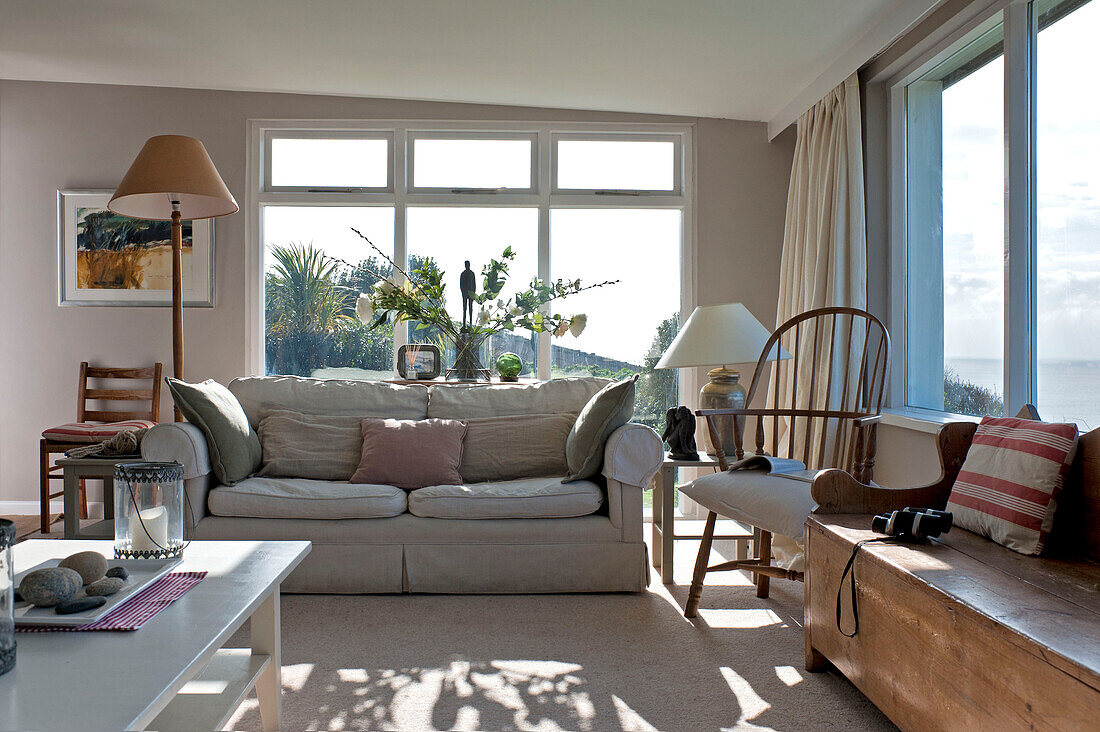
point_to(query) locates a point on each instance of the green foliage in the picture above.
(658, 390)
(964, 397)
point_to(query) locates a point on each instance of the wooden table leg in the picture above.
(264, 628)
(72, 486)
(668, 522)
(657, 525)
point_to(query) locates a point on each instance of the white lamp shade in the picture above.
(716, 335)
(172, 166)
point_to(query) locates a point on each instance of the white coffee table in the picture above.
(173, 673)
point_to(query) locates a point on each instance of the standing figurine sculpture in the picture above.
(467, 286)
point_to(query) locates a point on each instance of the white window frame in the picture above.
(400, 196)
(445, 134)
(1020, 329)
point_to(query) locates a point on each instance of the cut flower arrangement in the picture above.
(419, 296)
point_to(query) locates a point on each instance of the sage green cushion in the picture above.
(607, 411)
(234, 446)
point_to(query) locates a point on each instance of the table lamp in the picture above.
(718, 335)
(173, 179)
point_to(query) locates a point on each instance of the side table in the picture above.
(73, 469)
(664, 516)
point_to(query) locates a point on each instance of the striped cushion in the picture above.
(85, 432)
(1009, 483)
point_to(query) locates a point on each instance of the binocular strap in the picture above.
(849, 568)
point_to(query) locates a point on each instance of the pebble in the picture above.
(79, 605)
(49, 586)
(103, 587)
(121, 572)
(90, 565)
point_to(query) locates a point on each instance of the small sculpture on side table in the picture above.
(680, 434)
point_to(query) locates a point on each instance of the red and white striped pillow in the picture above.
(91, 433)
(1009, 484)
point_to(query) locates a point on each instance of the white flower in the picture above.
(363, 309)
(515, 311)
(385, 286)
(483, 317)
(576, 326)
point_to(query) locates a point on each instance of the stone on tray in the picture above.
(90, 565)
(47, 587)
(104, 587)
(79, 605)
(121, 572)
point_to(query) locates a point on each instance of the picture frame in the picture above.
(126, 262)
(419, 361)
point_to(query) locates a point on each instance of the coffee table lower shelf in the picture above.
(209, 700)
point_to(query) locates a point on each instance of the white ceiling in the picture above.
(737, 59)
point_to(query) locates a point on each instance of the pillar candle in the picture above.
(154, 536)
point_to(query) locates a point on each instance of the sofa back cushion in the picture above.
(1009, 483)
(345, 397)
(515, 446)
(316, 446)
(411, 454)
(557, 396)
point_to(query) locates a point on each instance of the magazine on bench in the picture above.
(779, 467)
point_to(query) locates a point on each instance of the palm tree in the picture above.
(305, 308)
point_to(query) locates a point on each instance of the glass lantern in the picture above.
(7, 600)
(148, 510)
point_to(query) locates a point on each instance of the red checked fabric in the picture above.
(85, 433)
(1009, 483)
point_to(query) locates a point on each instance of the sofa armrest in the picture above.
(185, 443)
(632, 456)
(180, 441)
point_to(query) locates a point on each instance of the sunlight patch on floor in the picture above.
(752, 706)
(630, 720)
(740, 618)
(788, 675)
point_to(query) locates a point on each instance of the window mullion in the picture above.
(1020, 266)
(400, 247)
(542, 367)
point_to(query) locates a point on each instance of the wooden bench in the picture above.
(961, 632)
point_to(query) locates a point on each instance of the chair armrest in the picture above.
(632, 455)
(180, 441)
(835, 491)
(867, 421)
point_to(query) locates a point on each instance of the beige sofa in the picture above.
(534, 534)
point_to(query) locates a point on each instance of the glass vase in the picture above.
(149, 510)
(7, 599)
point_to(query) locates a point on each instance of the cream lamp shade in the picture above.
(715, 335)
(172, 167)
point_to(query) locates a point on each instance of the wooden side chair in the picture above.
(827, 419)
(97, 425)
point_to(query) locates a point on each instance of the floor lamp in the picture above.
(173, 179)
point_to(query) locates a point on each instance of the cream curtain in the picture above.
(824, 260)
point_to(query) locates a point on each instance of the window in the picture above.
(1000, 217)
(460, 192)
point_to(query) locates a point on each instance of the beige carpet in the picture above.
(557, 662)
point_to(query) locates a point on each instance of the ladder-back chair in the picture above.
(823, 409)
(142, 409)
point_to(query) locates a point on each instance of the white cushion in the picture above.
(302, 498)
(769, 502)
(525, 498)
(329, 396)
(556, 396)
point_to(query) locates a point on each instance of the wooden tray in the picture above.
(143, 572)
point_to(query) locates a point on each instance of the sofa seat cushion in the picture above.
(770, 502)
(306, 499)
(514, 499)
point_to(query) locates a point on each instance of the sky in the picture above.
(640, 248)
(1068, 194)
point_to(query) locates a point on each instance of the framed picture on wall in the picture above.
(107, 259)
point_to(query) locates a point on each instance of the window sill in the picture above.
(922, 420)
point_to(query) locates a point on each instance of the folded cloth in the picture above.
(122, 443)
(137, 611)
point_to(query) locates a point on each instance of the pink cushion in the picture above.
(85, 432)
(1008, 486)
(411, 454)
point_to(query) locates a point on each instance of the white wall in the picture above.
(84, 136)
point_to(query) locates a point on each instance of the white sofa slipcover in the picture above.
(599, 551)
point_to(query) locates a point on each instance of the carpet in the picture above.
(558, 662)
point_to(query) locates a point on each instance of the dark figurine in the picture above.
(680, 434)
(467, 285)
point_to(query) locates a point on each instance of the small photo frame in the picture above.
(108, 259)
(418, 361)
